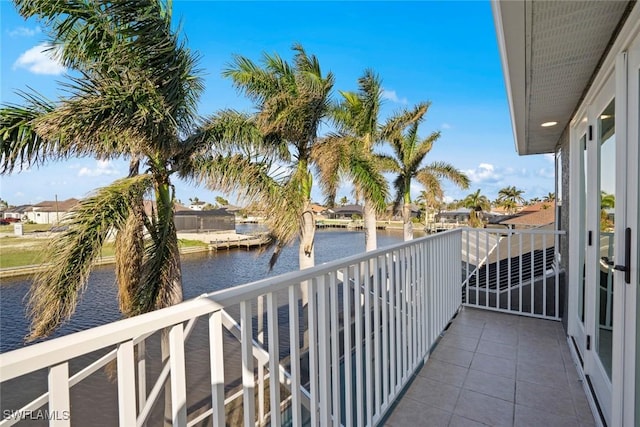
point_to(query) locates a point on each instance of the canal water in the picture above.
(202, 273)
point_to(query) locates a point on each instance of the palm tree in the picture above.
(409, 152)
(349, 151)
(477, 203)
(137, 99)
(291, 101)
(431, 200)
(550, 197)
(510, 197)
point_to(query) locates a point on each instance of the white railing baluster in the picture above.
(347, 297)
(313, 350)
(59, 402)
(533, 267)
(393, 319)
(248, 375)
(274, 358)
(358, 344)
(216, 361)
(509, 270)
(544, 275)
(141, 362)
(385, 330)
(477, 233)
(178, 376)
(294, 353)
(126, 384)
(498, 290)
(520, 289)
(323, 352)
(335, 348)
(368, 357)
(377, 356)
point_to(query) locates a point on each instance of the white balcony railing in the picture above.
(342, 358)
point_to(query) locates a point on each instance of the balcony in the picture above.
(499, 370)
(344, 343)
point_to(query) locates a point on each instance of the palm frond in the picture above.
(55, 292)
(20, 143)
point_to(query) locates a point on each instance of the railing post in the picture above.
(216, 359)
(126, 384)
(248, 376)
(294, 353)
(274, 358)
(142, 373)
(59, 402)
(178, 376)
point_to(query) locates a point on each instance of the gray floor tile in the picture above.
(485, 409)
(492, 385)
(496, 349)
(531, 417)
(449, 354)
(494, 365)
(412, 413)
(548, 399)
(434, 393)
(507, 336)
(458, 421)
(462, 342)
(549, 375)
(540, 357)
(444, 372)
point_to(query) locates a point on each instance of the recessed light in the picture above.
(605, 116)
(548, 124)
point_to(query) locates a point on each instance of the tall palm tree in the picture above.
(348, 151)
(509, 197)
(135, 99)
(291, 100)
(409, 152)
(550, 197)
(477, 203)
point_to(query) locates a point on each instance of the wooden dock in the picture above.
(242, 242)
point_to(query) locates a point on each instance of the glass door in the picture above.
(578, 331)
(596, 300)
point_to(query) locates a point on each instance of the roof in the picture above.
(538, 207)
(533, 218)
(348, 208)
(18, 209)
(56, 206)
(550, 52)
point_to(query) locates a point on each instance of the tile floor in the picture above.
(495, 369)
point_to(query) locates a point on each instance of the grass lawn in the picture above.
(23, 251)
(26, 228)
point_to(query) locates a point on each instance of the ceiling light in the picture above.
(548, 124)
(605, 116)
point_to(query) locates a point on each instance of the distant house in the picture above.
(50, 211)
(457, 216)
(397, 215)
(346, 212)
(16, 212)
(188, 220)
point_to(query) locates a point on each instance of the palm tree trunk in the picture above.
(306, 252)
(370, 225)
(407, 225)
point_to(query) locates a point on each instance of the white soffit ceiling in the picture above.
(550, 51)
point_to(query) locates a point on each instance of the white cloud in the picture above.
(446, 126)
(24, 32)
(484, 173)
(550, 157)
(40, 59)
(103, 167)
(392, 96)
(546, 173)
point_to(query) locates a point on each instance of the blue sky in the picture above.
(443, 52)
